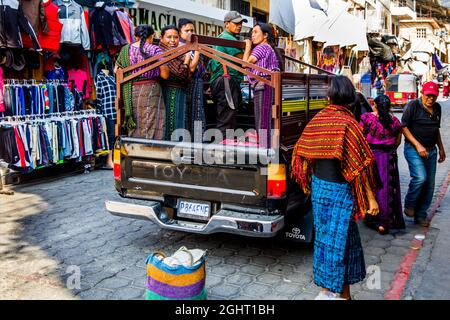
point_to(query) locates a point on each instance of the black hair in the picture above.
(360, 106)
(105, 65)
(271, 40)
(342, 92)
(266, 28)
(143, 31)
(183, 21)
(169, 27)
(384, 107)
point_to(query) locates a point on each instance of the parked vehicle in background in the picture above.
(401, 88)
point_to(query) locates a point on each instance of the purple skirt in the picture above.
(389, 196)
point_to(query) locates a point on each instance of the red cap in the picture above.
(430, 88)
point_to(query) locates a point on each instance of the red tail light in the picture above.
(116, 161)
(116, 171)
(276, 189)
(276, 181)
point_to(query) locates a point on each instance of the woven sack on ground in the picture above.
(178, 277)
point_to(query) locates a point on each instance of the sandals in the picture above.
(382, 230)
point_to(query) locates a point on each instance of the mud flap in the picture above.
(299, 226)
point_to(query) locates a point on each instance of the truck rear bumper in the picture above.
(227, 221)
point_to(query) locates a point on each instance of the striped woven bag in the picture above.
(170, 279)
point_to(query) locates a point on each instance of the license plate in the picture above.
(398, 95)
(194, 209)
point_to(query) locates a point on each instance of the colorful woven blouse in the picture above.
(375, 133)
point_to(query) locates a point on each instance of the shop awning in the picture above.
(193, 9)
(332, 25)
(423, 46)
(417, 67)
(309, 20)
(336, 30)
(282, 14)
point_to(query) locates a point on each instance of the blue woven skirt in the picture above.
(338, 254)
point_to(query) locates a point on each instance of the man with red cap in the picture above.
(421, 122)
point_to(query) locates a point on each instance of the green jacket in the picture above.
(216, 67)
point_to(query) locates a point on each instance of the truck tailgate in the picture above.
(148, 165)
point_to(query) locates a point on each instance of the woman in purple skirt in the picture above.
(383, 131)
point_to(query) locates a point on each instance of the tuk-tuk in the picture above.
(401, 88)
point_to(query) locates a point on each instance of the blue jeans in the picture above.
(421, 186)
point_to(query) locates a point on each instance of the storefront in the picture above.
(159, 13)
(60, 76)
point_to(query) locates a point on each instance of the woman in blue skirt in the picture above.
(333, 162)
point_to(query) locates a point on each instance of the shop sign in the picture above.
(158, 18)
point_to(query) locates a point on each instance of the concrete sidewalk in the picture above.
(430, 276)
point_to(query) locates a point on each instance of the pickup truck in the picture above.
(206, 188)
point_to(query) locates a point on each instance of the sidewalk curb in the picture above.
(397, 287)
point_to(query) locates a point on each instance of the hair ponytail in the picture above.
(384, 107)
(143, 32)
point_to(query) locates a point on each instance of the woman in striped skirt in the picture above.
(333, 162)
(175, 87)
(143, 101)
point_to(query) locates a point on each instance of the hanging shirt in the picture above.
(106, 94)
(12, 22)
(51, 38)
(74, 30)
(79, 78)
(127, 26)
(56, 74)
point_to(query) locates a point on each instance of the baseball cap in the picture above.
(430, 88)
(234, 17)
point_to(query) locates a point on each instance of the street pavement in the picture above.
(57, 231)
(430, 278)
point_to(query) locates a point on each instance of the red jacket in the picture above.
(50, 41)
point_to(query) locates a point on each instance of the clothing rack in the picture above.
(81, 113)
(33, 81)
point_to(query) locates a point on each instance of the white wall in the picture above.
(221, 4)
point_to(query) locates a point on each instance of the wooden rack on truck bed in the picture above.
(250, 198)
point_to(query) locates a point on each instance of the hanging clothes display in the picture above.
(127, 25)
(91, 3)
(51, 37)
(105, 26)
(12, 22)
(74, 30)
(35, 13)
(2, 103)
(56, 74)
(118, 32)
(37, 142)
(33, 98)
(78, 79)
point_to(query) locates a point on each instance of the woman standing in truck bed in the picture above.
(333, 161)
(143, 100)
(174, 88)
(263, 55)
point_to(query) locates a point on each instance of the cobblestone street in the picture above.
(49, 229)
